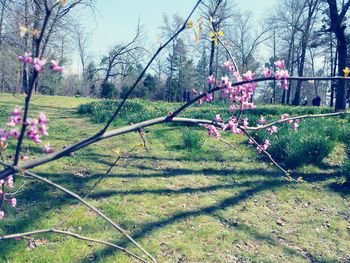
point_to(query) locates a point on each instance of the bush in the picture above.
(313, 142)
(191, 140)
(108, 90)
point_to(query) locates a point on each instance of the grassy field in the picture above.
(214, 204)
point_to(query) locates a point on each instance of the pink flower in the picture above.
(272, 130)
(280, 64)
(233, 107)
(199, 102)
(31, 244)
(54, 66)
(16, 112)
(281, 74)
(250, 142)
(4, 135)
(48, 149)
(224, 80)
(267, 143)
(38, 64)
(248, 76)
(195, 91)
(218, 118)
(211, 79)
(267, 72)
(285, 116)
(258, 149)
(13, 202)
(230, 66)
(27, 58)
(14, 133)
(42, 119)
(245, 123)
(208, 97)
(43, 130)
(295, 126)
(262, 120)
(212, 131)
(284, 84)
(24, 158)
(2, 215)
(9, 181)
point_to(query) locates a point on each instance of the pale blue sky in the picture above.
(116, 20)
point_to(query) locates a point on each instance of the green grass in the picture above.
(219, 204)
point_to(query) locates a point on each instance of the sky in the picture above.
(115, 21)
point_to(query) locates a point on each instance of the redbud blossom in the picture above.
(272, 130)
(280, 64)
(208, 97)
(27, 58)
(9, 181)
(245, 123)
(262, 120)
(42, 119)
(248, 76)
(24, 158)
(13, 202)
(267, 72)
(295, 126)
(224, 80)
(211, 79)
(54, 66)
(14, 133)
(218, 118)
(48, 149)
(39, 64)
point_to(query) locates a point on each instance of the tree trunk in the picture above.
(340, 96)
(304, 43)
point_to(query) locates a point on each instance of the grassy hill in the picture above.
(214, 204)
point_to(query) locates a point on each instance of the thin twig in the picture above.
(92, 188)
(68, 233)
(102, 215)
(123, 130)
(139, 78)
(296, 118)
(268, 155)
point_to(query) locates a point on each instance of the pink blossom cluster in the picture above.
(206, 98)
(294, 123)
(280, 74)
(240, 98)
(266, 144)
(36, 129)
(39, 63)
(8, 182)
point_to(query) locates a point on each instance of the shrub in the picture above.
(310, 145)
(108, 90)
(191, 140)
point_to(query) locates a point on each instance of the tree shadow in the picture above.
(147, 229)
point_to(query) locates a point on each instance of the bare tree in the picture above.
(337, 25)
(81, 41)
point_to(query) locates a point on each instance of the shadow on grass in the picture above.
(340, 188)
(147, 229)
(35, 203)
